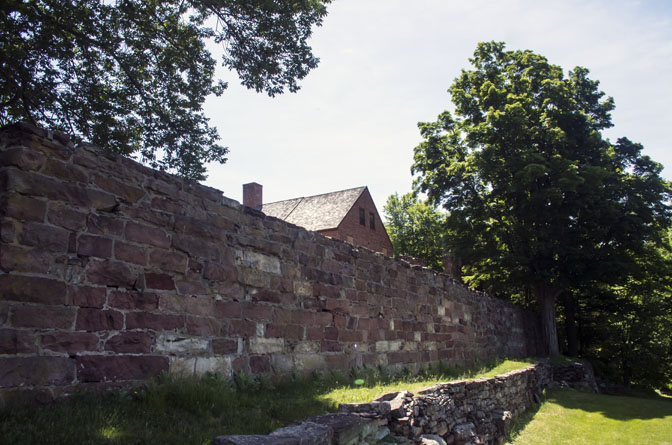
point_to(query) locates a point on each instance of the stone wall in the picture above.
(462, 412)
(112, 272)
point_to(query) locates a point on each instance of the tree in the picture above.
(415, 229)
(539, 202)
(132, 75)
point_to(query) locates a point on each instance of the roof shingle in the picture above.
(319, 212)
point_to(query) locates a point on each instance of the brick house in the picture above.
(349, 215)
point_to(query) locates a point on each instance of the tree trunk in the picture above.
(570, 324)
(546, 300)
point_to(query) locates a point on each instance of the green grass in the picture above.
(174, 410)
(574, 417)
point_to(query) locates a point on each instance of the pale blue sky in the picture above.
(386, 64)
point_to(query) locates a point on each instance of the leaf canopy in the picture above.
(132, 75)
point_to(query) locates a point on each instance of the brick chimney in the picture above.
(253, 195)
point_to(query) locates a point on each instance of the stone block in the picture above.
(104, 225)
(17, 341)
(21, 259)
(45, 237)
(93, 320)
(259, 345)
(130, 253)
(225, 346)
(105, 368)
(259, 364)
(67, 217)
(87, 296)
(255, 439)
(307, 363)
(130, 342)
(179, 344)
(95, 246)
(307, 433)
(147, 235)
(54, 317)
(28, 371)
(23, 208)
(134, 300)
(110, 273)
(157, 322)
(204, 326)
(259, 261)
(126, 192)
(158, 281)
(167, 260)
(23, 158)
(228, 309)
(219, 365)
(69, 342)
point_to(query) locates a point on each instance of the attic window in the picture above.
(362, 216)
(372, 221)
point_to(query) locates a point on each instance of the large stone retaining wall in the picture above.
(113, 272)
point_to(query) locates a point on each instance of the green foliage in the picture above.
(416, 229)
(132, 75)
(629, 332)
(539, 202)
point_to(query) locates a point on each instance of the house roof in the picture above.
(319, 212)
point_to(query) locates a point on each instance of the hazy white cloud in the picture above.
(386, 64)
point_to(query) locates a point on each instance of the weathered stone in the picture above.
(110, 273)
(55, 317)
(45, 236)
(134, 300)
(167, 260)
(432, 439)
(157, 322)
(105, 368)
(99, 320)
(147, 235)
(26, 371)
(158, 281)
(23, 208)
(179, 344)
(308, 433)
(255, 260)
(255, 440)
(219, 365)
(17, 341)
(69, 342)
(130, 342)
(21, 259)
(259, 345)
(130, 253)
(95, 246)
(348, 429)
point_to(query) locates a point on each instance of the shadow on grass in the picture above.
(519, 423)
(186, 410)
(614, 407)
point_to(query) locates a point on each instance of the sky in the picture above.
(386, 65)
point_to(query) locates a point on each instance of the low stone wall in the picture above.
(578, 375)
(462, 412)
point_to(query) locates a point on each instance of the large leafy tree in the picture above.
(132, 75)
(416, 229)
(539, 202)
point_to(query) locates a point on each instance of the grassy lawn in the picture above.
(172, 410)
(573, 417)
